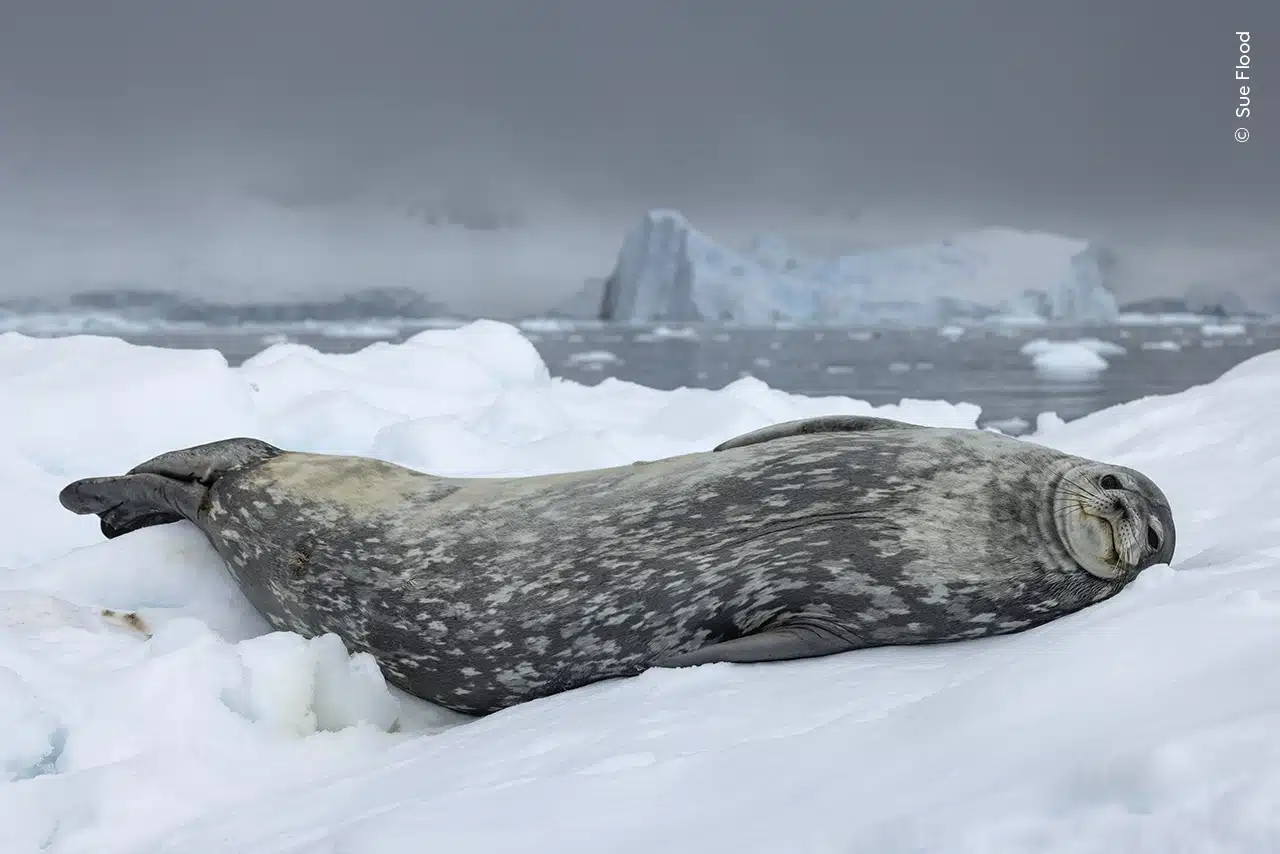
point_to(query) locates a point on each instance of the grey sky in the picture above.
(1099, 118)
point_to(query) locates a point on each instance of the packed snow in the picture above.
(668, 270)
(144, 706)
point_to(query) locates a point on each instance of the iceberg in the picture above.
(667, 270)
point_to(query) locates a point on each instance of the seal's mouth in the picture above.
(1114, 551)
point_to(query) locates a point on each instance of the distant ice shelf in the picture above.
(667, 270)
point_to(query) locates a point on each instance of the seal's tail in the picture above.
(164, 489)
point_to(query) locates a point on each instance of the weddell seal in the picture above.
(802, 539)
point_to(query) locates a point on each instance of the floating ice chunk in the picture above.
(593, 358)
(1168, 346)
(1096, 345)
(545, 324)
(1068, 361)
(1222, 330)
(664, 333)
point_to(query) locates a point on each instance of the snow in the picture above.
(668, 270)
(1144, 724)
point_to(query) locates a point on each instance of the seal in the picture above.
(803, 539)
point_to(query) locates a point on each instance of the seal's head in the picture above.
(1113, 520)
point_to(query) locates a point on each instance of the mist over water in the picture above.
(493, 154)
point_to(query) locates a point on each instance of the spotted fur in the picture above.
(478, 594)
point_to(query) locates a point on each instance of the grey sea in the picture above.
(983, 365)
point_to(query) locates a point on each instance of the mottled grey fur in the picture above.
(803, 539)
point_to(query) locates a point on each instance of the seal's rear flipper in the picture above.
(164, 489)
(784, 643)
(132, 501)
(205, 463)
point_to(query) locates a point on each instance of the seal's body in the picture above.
(799, 540)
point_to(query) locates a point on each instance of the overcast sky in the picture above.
(1098, 117)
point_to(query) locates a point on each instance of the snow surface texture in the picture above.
(668, 270)
(1144, 724)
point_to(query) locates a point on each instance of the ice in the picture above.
(1070, 361)
(1037, 346)
(1222, 330)
(668, 270)
(547, 324)
(662, 332)
(145, 706)
(1167, 346)
(302, 686)
(593, 358)
(1013, 426)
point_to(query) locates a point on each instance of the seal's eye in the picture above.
(1109, 481)
(1153, 539)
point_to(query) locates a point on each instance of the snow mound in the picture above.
(144, 705)
(668, 270)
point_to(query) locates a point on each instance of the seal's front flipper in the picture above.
(809, 426)
(205, 463)
(783, 643)
(132, 501)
